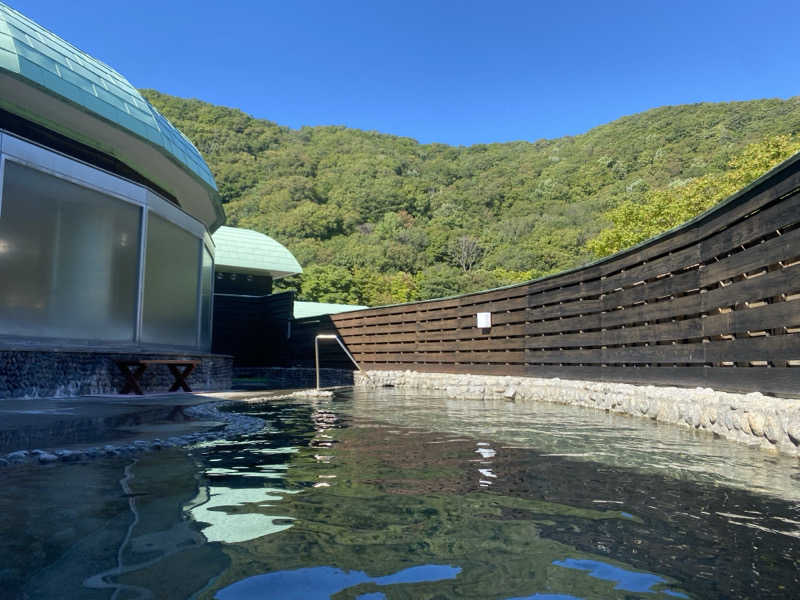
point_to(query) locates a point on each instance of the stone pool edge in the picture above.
(234, 425)
(766, 422)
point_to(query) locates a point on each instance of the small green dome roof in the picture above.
(247, 251)
(32, 55)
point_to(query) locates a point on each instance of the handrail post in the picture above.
(346, 351)
(316, 351)
(316, 358)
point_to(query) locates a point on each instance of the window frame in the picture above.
(45, 160)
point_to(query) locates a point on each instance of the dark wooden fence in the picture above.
(254, 329)
(714, 303)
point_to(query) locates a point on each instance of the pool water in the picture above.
(371, 496)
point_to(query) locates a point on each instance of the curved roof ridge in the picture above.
(37, 56)
(247, 251)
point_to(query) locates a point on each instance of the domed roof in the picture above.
(51, 82)
(247, 251)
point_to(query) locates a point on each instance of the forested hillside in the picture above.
(375, 218)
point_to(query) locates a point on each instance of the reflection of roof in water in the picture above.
(234, 525)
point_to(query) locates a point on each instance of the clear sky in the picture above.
(457, 72)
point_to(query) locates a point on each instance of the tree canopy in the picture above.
(663, 208)
(376, 218)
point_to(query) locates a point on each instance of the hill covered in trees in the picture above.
(376, 218)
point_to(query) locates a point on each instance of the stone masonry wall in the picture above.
(768, 422)
(44, 374)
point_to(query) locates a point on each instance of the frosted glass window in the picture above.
(69, 259)
(172, 271)
(206, 293)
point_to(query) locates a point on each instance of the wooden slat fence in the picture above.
(714, 303)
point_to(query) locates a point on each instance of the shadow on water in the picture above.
(398, 497)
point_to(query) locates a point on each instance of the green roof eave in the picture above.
(41, 63)
(211, 192)
(305, 310)
(247, 251)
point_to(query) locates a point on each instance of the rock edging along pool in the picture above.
(755, 419)
(235, 424)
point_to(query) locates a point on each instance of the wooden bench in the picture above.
(132, 378)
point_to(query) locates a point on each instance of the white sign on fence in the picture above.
(484, 320)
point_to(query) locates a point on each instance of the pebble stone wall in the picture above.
(767, 422)
(48, 374)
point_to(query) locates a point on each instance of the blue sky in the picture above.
(440, 71)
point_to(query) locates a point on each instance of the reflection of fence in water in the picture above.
(713, 303)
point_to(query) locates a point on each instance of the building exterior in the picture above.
(106, 211)
(250, 322)
(247, 262)
(255, 326)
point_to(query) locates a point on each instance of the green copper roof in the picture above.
(37, 56)
(247, 251)
(316, 309)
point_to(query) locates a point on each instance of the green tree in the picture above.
(389, 210)
(439, 281)
(667, 207)
(329, 283)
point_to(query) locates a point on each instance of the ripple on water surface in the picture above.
(386, 496)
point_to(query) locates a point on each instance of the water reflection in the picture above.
(631, 581)
(321, 583)
(234, 515)
(591, 435)
(409, 495)
(158, 539)
(548, 597)
(239, 496)
(338, 499)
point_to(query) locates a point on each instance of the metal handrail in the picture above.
(325, 336)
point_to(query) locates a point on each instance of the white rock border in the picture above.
(235, 425)
(766, 422)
